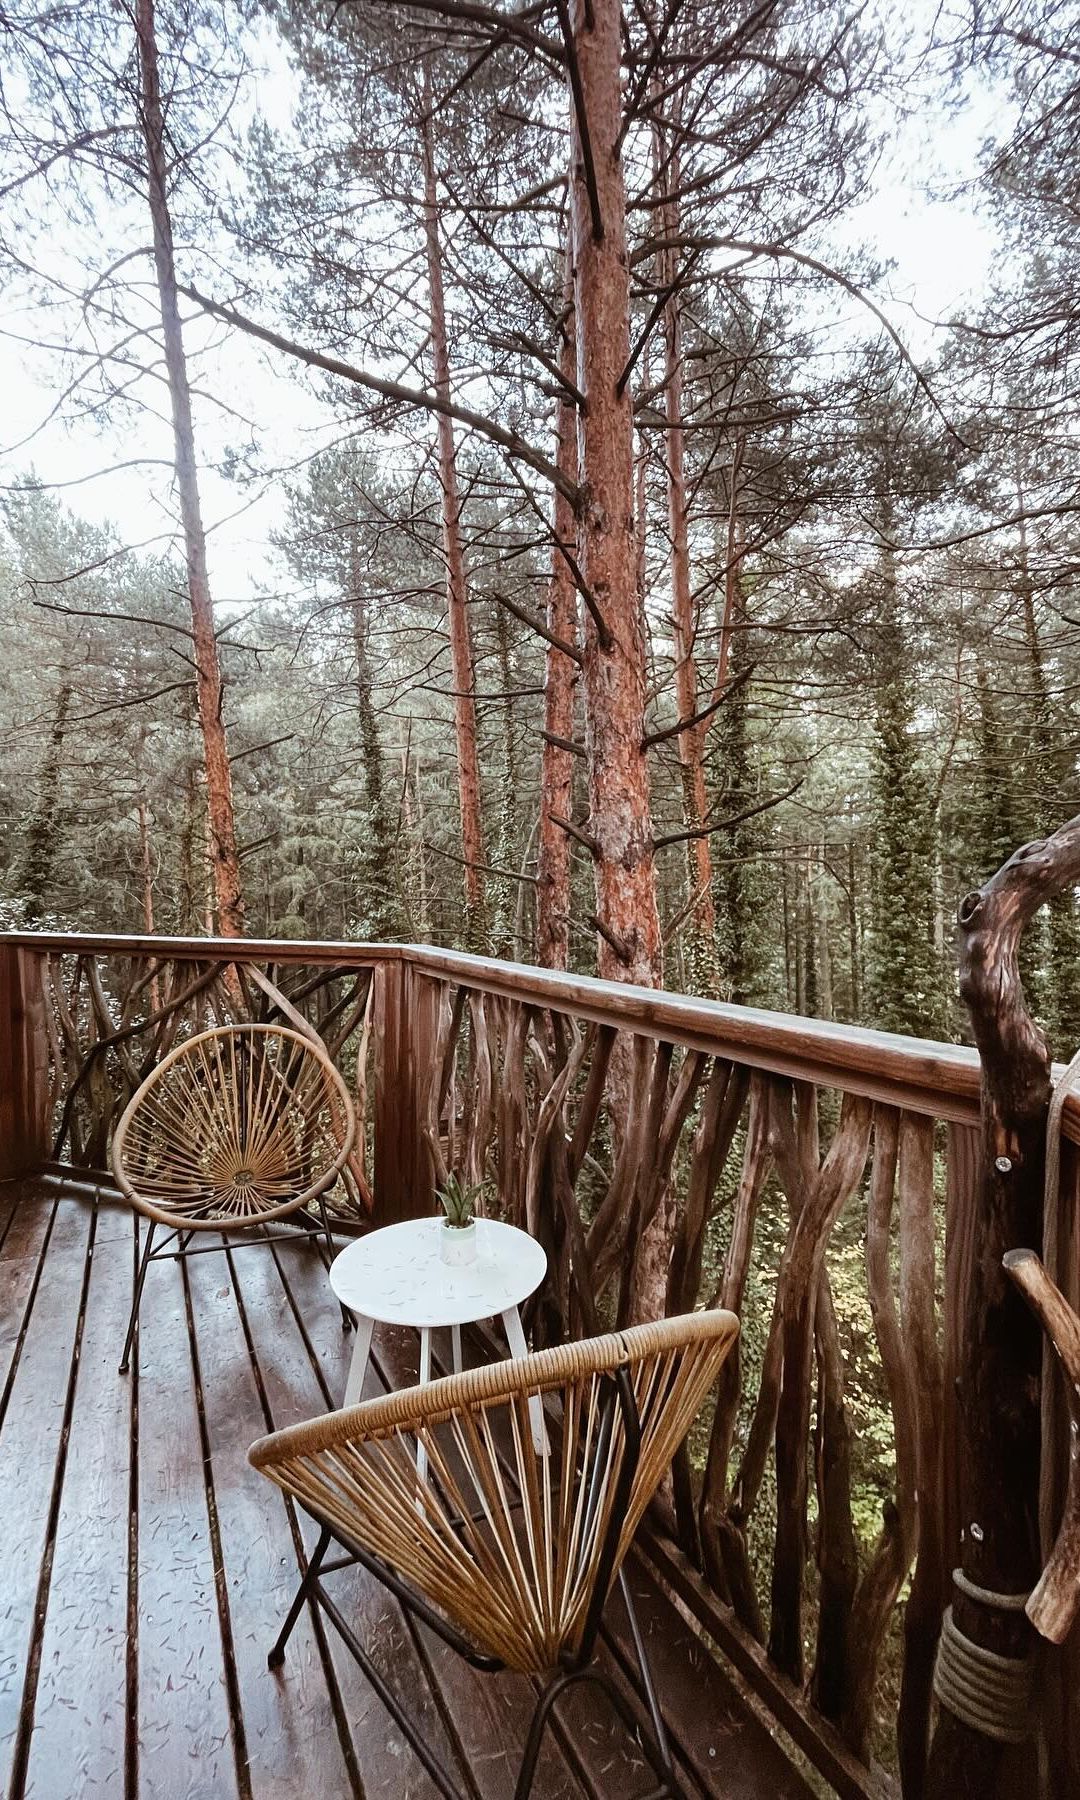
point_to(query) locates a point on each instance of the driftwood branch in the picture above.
(998, 1380)
(1055, 1601)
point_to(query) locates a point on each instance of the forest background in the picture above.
(380, 706)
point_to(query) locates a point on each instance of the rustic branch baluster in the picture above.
(593, 1112)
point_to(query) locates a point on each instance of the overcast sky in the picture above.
(941, 247)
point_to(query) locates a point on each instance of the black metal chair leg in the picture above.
(137, 1296)
(541, 1714)
(310, 1576)
(346, 1315)
(656, 1751)
(655, 1714)
(389, 1699)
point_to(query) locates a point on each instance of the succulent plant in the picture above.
(459, 1200)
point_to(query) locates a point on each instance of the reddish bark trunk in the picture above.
(614, 667)
(735, 551)
(702, 923)
(222, 828)
(146, 870)
(560, 683)
(461, 657)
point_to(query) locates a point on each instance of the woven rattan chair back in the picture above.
(235, 1127)
(508, 1541)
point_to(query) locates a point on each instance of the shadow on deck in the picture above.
(145, 1567)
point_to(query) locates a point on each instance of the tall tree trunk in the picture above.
(461, 656)
(146, 872)
(734, 551)
(560, 686)
(189, 860)
(223, 853)
(627, 914)
(146, 868)
(701, 929)
(1051, 779)
(379, 862)
(43, 828)
(502, 926)
(822, 927)
(736, 899)
(854, 948)
(413, 811)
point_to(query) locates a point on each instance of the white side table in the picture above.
(396, 1276)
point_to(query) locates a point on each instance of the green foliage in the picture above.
(906, 977)
(460, 1200)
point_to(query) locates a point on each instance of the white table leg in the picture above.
(354, 1387)
(425, 1377)
(515, 1337)
(455, 1338)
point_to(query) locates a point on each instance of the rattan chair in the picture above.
(234, 1130)
(508, 1552)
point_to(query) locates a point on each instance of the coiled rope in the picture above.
(990, 1692)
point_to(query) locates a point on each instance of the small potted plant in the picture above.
(457, 1239)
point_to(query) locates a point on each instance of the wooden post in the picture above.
(24, 1063)
(404, 1185)
(998, 1377)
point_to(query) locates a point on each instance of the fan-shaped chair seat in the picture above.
(235, 1128)
(241, 1124)
(506, 1549)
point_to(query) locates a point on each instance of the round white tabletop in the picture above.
(397, 1275)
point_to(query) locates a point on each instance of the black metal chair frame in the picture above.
(654, 1743)
(235, 1238)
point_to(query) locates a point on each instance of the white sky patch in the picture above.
(922, 218)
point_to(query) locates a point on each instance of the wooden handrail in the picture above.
(915, 1073)
(205, 949)
(918, 1074)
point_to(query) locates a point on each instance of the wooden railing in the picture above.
(818, 1178)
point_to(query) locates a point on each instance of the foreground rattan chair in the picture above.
(235, 1129)
(506, 1551)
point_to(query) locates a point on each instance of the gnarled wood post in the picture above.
(1055, 1602)
(998, 1380)
(24, 1057)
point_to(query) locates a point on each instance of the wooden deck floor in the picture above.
(144, 1567)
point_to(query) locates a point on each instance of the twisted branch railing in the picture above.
(806, 1175)
(109, 1020)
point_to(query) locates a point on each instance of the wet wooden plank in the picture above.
(185, 1748)
(491, 1713)
(271, 1285)
(10, 1196)
(21, 1263)
(297, 1731)
(718, 1737)
(290, 1729)
(822, 1744)
(31, 1441)
(78, 1742)
(595, 1745)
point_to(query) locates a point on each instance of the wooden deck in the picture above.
(144, 1567)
